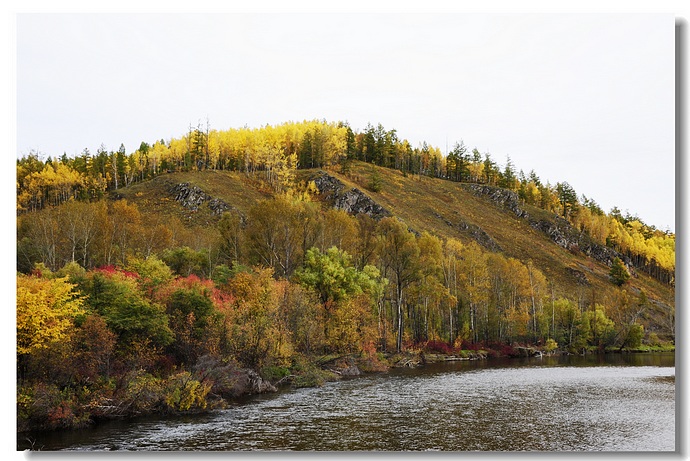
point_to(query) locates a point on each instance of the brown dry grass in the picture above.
(425, 204)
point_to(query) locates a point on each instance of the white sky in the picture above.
(585, 98)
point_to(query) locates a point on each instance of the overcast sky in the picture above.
(587, 99)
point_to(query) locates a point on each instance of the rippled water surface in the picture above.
(566, 404)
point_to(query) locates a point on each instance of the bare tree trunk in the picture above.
(400, 319)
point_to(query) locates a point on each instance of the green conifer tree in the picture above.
(619, 273)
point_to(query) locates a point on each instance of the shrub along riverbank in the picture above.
(214, 383)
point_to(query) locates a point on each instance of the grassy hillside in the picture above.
(438, 206)
(156, 199)
(443, 208)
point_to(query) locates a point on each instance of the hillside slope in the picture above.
(458, 210)
(443, 208)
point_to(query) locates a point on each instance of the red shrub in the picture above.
(500, 350)
(440, 347)
(112, 270)
(470, 346)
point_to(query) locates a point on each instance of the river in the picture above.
(617, 402)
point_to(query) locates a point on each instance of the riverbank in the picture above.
(332, 368)
(416, 408)
(214, 384)
(211, 384)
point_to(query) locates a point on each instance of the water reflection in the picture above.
(548, 404)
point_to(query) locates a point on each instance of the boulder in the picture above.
(255, 384)
(229, 380)
(342, 366)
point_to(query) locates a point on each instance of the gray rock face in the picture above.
(560, 232)
(327, 184)
(505, 198)
(474, 232)
(218, 206)
(352, 201)
(350, 371)
(256, 384)
(480, 236)
(564, 235)
(342, 366)
(579, 276)
(192, 197)
(557, 229)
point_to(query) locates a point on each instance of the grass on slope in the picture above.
(155, 199)
(425, 204)
(430, 204)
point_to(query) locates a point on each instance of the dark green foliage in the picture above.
(133, 317)
(375, 182)
(221, 274)
(619, 273)
(567, 196)
(592, 206)
(195, 322)
(597, 329)
(456, 162)
(185, 261)
(186, 304)
(508, 180)
(633, 336)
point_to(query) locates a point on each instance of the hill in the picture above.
(170, 279)
(575, 267)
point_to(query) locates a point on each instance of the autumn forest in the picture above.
(194, 270)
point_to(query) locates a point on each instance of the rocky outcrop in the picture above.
(192, 197)
(479, 235)
(218, 206)
(342, 366)
(579, 276)
(556, 228)
(328, 186)
(564, 235)
(352, 201)
(250, 382)
(474, 232)
(522, 351)
(505, 198)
